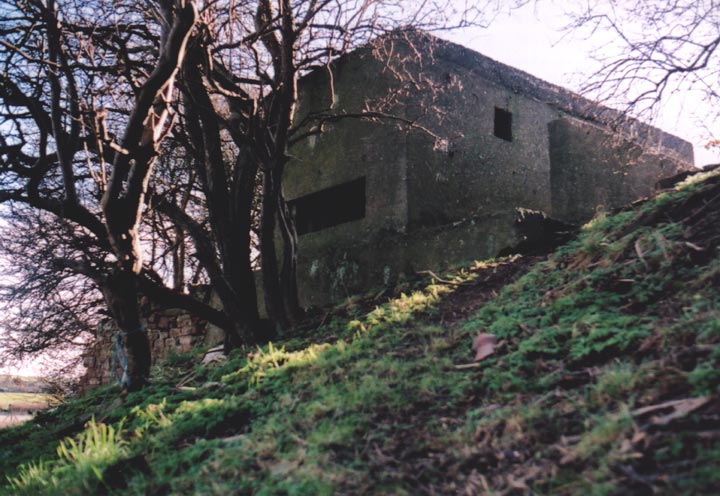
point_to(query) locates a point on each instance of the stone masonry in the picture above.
(170, 332)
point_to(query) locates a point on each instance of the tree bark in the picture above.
(120, 291)
(178, 259)
(123, 200)
(270, 271)
(280, 285)
(279, 282)
(288, 272)
(225, 253)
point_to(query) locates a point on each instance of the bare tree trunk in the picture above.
(243, 193)
(240, 312)
(178, 258)
(288, 273)
(279, 283)
(270, 272)
(121, 295)
(280, 286)
(124, 198)
(179, 251)
(226, 254)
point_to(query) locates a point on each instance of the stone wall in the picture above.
(170, 331)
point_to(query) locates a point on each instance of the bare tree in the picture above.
(45, 305)
(53, 74)
(88, 107)
(240, 86)
(659, 48)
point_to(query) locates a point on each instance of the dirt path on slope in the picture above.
(467, 298)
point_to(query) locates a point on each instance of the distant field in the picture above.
(10, 419)
(24, 401)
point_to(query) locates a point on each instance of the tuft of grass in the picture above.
(615, 382)
(79, 466)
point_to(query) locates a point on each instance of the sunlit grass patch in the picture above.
(269, 358)
(80, 463)
(696, 179)
(385, 401)
(606, 433)
(616, 381)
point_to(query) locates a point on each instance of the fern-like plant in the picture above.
(80, 463)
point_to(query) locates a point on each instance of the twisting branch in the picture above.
(123, 199)
(663, 46)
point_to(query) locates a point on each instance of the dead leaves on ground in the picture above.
(510, 453)
(484, 345)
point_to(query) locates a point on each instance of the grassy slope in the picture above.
(605, 380)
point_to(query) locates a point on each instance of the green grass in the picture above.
(604, 381)
(83, 459)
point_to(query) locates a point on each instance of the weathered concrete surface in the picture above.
(334, 272)
(592, 169)
(477, 173)
(564, 101)
(352, 148)
(436, 198)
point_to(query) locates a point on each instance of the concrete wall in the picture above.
(434, 201)
(477, 173)
(593, 169)
(348, 258)
(351, 148)
(333, 272)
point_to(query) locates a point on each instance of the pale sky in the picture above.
(531, 39)
(29, 368)
(39, 367)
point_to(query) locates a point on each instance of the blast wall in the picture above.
(493, 139)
